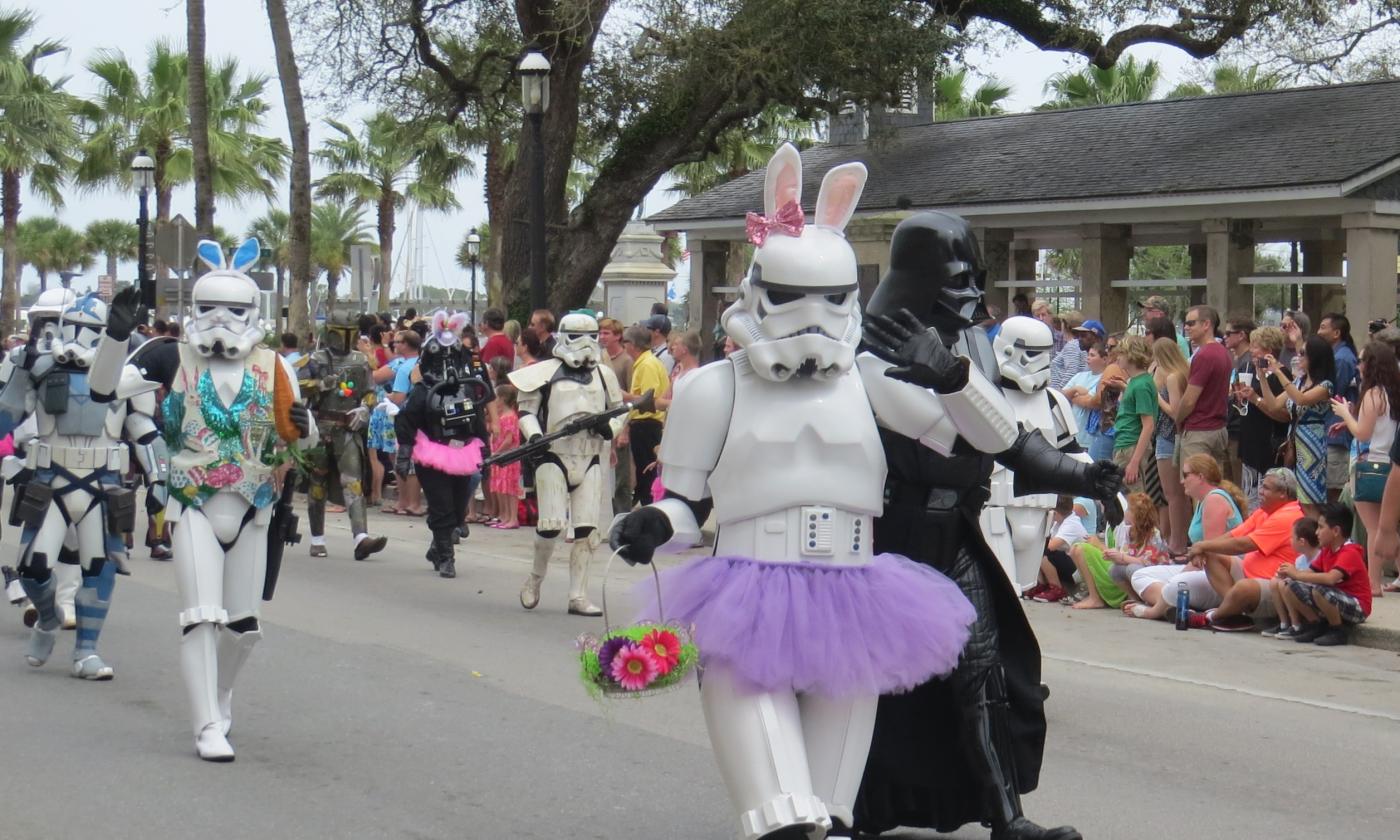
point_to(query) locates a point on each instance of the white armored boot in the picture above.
(530, 592)
(233, 652)
(579, 556)
(199, 660)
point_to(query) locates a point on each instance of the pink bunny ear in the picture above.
(458, 321)
(783, 180)
(841, 189)
(439, 321)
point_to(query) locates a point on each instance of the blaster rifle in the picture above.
(281, 532)
(646, 402)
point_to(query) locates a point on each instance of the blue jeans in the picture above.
(1101, 447)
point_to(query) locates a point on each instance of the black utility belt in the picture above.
(936, 499)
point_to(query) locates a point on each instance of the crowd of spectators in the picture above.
(1256, 461)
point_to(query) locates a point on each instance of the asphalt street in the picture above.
(388, 703)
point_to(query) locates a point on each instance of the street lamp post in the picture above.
(143, 171)
(534, 93)
(473, 257)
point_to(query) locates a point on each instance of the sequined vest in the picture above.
(216, 447)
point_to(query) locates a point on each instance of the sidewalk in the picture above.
(1381, 630)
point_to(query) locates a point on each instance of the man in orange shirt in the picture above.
(1241, 562)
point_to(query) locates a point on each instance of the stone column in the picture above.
(1322, 257)
(707, 271)
(1023, 264)
(996, 257)
(1197, 254)
(1106, 257)
(1371, 278)
(1229, 256)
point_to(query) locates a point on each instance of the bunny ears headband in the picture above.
(446, 328)
(782, 192)
(212, 255)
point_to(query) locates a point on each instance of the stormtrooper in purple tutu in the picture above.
(801, 626)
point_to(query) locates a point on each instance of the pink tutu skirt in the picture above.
(838, 631)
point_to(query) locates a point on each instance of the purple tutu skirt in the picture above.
(815, 628)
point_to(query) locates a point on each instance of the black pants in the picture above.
(645, 436)
(447, 497)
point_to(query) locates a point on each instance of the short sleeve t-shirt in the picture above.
(1071, 530)
(1211, 368)
(403, 370)
(1084, 417)
(1139, 399)
(1273, 537)
(1350, 560)
(497, 345)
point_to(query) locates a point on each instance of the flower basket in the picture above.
(636, 660)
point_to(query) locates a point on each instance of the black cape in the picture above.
(916, 774)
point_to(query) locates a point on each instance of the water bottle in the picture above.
(1183, 604)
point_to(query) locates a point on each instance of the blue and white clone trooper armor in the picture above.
(70, 399)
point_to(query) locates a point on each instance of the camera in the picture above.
(1377, 325)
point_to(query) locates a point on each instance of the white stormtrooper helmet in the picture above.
(797, 312)
(1023, 348)
(45, 334)
(226, 320)
(81, 325)
(576, 341)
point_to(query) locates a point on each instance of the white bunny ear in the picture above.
(458, 321)
(841, 189)
(211, 254)
(783, 180)
(439, 321)
(246, 255)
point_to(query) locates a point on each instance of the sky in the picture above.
(240, 28)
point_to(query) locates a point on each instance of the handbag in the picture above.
(1370, 480)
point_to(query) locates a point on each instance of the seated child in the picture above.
(1305, 543)
(1334, 593)
(1056, 567)
(1136, 544)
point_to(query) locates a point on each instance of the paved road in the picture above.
(388, 703)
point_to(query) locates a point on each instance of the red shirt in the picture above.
(1350, 560)
(1210, 368)
(497, 345)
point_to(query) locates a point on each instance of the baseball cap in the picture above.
(1092, 326)
(1155, 302)
(660, 323)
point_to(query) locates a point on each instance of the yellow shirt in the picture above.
(648, 374)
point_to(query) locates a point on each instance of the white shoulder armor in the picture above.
(10, 364)
(906, 409)
(133, 384)
(534, 377)
(696, 427)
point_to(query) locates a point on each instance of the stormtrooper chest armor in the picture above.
(573, 394)
(1040, 410)
(802, 471)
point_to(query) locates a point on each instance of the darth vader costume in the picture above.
(445, 417)
(965, 748)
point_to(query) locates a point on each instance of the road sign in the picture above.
(104, 287)
(175, 242)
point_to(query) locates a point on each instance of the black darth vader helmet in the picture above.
(935, 272)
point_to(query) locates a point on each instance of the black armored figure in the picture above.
(965, 748)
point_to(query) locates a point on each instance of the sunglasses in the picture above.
(1190, 323)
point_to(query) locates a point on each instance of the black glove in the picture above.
(917, 353)
(640, 533)
(1113, 510)
(301, 418)
(1107, 478)
(123, 314)
(602, 427)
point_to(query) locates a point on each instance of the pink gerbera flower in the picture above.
(634, 668)
(664, 645)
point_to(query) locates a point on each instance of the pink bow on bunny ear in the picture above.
(458, 322)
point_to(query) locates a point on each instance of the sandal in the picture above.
(1393, 586)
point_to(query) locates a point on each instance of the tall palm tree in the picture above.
(116, 239)
(951, 100)
(334, 228)
(1228, 78)
(390, 163)
(299, 234)
(272, 232)
(37, 136)
(131, 112)
(49, 246)
(1126, 81)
